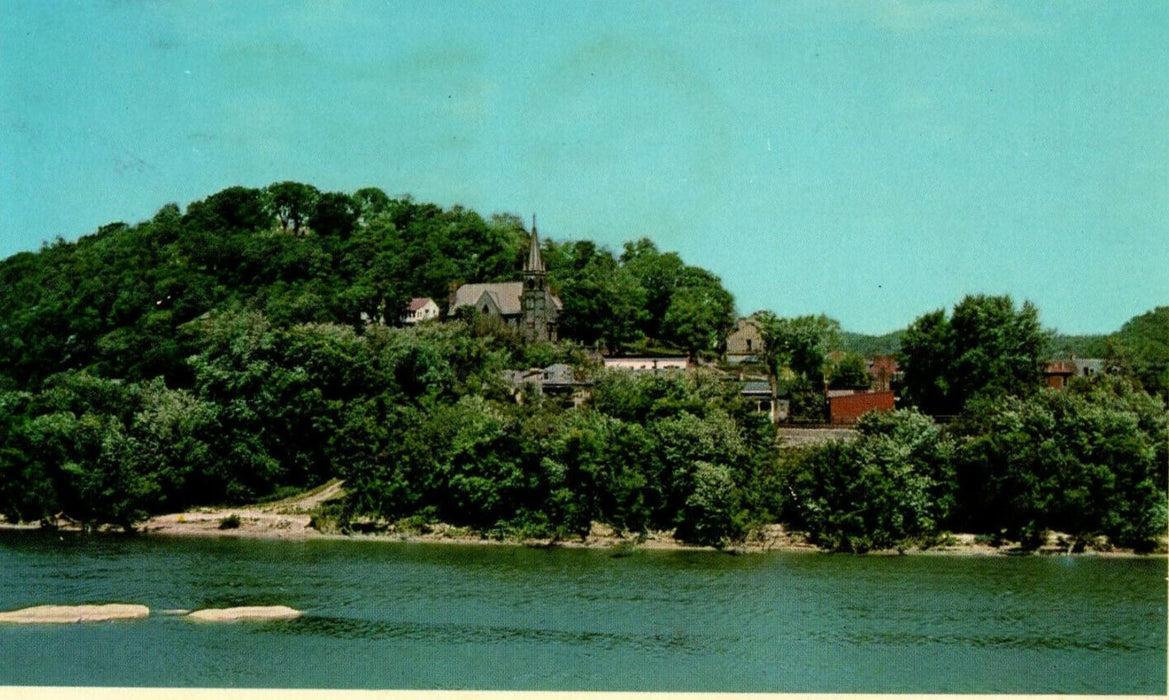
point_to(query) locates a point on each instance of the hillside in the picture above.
(246, 348)
(117, 303)
(871, 345)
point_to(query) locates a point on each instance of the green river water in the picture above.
(394, 615)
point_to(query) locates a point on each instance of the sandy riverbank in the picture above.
(291, 519)
(260, 524)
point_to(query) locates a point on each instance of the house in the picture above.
(554, 380)
(759, 393)
(1058, 373)
(527, 307)
(419, 309)
(745, 342)
(845, 409)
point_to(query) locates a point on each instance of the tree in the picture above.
(926, 355)
(292, 203)
(334, 214)
(371, 202)
(700, 314)
(798, 345)
(603, 303)
(658, 274)
(235, 208)
(986, 347)
(1086, 461)
(1141, 347)
(889, 487)
(849, 372)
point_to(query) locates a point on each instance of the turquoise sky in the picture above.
(871, 160)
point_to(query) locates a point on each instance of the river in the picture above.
(396, 615)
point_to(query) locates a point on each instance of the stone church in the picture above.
(528, 307)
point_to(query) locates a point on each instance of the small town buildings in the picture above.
(1058, 373)
(759, 393)
(846, 408)
(419, 309)
(745, 342)
(554, 380)
(647, 364)
(528, 307)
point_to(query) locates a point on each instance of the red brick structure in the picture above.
(883, 369)
(844, 410)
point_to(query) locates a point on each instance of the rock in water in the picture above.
(255, 612)
(64, 614)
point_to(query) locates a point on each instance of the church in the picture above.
(527, 307)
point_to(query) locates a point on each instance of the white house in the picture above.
(419, 309)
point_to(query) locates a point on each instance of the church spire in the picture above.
(535, 262)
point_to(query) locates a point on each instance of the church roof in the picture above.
(505, 296)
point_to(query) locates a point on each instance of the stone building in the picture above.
(745, 342)
(528, 307)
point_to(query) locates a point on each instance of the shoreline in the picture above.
(267, 524)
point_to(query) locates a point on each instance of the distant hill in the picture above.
(1141, 347)
(871, 345)
(1078, 345)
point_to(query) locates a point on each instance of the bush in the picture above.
(889, 487)
(231, 522)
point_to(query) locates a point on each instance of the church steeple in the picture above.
(539, 307)
(535, 262)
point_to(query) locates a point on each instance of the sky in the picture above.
(872, 161)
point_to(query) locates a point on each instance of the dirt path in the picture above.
(305, 502)
(282, 519)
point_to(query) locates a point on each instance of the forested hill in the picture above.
(871, 345)
(117, 302)
(219, 355)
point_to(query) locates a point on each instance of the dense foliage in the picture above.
(224, 353)
(245, 347)
(986, 347)
(891, 486)
(418, 421)
(794, 356)
(1088, 462)
(618, 302)
(1140, 349)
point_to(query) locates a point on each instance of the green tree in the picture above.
(603, 302)
(891, 486)
(1141, 347)
(986, 347)
(1088, 461)
(796, 347)
(849, 372)
(292, 204)
(658, 274)
(700, 314)
(334, 214)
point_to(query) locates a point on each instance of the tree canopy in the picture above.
(986, 347)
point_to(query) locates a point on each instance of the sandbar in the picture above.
(66, 614)
(253, 612)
